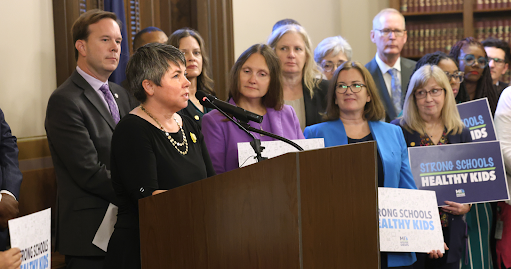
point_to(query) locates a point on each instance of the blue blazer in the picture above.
(394, 156)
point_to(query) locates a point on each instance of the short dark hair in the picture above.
(150, 62)
(274, 98)
(80, 29)
(137, 40)
(284, 22)
(373, 110)
(499, 44)
(204, 81)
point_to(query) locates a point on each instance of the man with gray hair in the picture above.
(390, 71)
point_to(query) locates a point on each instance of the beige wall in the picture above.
(351, 19)
(27, 69)
(27, 64)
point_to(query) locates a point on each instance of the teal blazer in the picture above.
(394, 156)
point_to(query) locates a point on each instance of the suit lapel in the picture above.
(94, 98)
(118, 97)
(374, 69)
(310, 116)
(407, 68)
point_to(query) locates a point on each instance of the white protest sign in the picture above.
(32, 235)
(409, 221)
(246, 154)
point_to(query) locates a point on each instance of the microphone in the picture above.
(241, 114)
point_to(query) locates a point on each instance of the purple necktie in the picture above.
(110, 101)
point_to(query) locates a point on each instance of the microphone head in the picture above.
(204, 99)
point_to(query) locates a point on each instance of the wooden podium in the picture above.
(312, 209)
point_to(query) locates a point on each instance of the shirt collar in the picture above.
(384, 67)
(93, 82)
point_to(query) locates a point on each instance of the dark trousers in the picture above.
(423, 262)
(84, 262)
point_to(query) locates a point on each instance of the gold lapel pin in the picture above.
(193, 137)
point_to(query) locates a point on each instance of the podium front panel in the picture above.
(339, 207)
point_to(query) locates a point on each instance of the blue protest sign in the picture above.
(477, 118)
(462, 173)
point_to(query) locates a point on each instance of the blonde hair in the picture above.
(373, 110)
(310, 69)
(411, 120)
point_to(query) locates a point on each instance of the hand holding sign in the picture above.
(456, 208)
(10, 259)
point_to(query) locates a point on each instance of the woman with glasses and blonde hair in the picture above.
(430, 117)
(447, 64)
(331, 53)
(302, 88)
(353, 115)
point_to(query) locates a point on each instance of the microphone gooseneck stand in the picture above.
(243, 125)
(248, 127)
(255, 143)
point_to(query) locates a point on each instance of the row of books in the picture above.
(412, 6)
(431, 5)
(430, 37)
(500, 29)
(425, 37)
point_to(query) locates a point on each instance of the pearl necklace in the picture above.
(172, 141)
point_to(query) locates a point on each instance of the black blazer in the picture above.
(315, 107)
(407, 67)
(79, 128)
(10, 175)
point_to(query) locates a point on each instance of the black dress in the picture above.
(143, 160)
(194, 113)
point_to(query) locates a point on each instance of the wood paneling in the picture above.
(212, 18)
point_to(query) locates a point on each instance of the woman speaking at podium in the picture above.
(255, 85)
(153, 148)
(354, 111)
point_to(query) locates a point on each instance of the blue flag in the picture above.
(117, 7)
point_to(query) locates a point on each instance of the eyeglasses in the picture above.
(387, 32)
(497, 61)
(329, 66)
(470, 59)
(342, 89)
(421, 94)
(457, 76)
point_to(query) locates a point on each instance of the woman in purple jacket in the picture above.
(255, 85)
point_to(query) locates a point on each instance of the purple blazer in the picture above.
(222, 137)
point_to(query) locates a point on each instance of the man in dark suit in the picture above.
(498, 53)
(10, 179)
(390, 71)
(80, 119)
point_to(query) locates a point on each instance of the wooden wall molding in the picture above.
(212, 18)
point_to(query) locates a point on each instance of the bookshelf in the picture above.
(437, 24)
